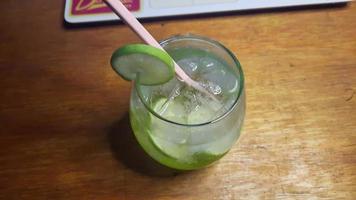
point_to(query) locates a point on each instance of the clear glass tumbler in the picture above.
(188, 146)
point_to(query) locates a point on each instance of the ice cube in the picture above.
(173, 111)
(169, 148)
(207, 62)
(189, 65)
(201, 114)
(214, 71)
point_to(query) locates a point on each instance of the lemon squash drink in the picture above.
(179, 126)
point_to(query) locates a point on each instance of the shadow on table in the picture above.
(127, 150)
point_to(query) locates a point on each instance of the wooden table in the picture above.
(63, 111)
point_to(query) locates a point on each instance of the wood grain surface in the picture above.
(64, 129)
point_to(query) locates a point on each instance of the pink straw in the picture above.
(138, 28)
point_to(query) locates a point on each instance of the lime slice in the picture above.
(146, 64)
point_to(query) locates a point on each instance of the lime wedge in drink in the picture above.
(146, 64)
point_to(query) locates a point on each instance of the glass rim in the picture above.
(214, 42)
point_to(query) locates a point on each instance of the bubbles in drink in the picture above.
(212, 87)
